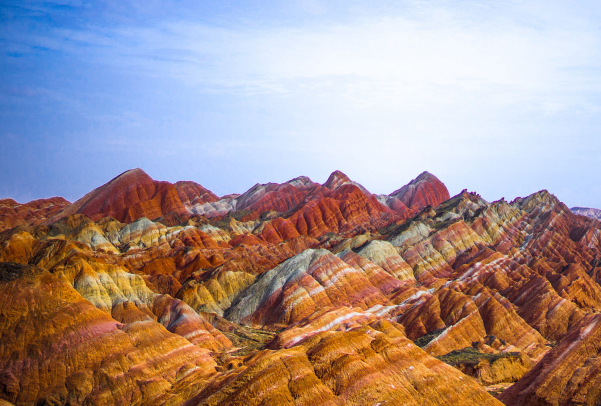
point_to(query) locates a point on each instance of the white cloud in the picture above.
(438, 59)
(479, 93)
(436, 83)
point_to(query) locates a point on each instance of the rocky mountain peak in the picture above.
(336, 179)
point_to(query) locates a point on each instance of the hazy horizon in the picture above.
(501, 98)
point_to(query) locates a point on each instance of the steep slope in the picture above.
(282, 198)
(346, 210)
(191, 193)
(301, 285)
(276, 197)
(425, 190)
(370, 365)
(567, 375)
(262, 198)
(519, 253)
(56, 347)
(129, 196)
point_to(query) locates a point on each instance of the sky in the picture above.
(498, 97)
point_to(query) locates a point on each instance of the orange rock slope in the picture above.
(58, 348)
(146, 292)
(567, 375)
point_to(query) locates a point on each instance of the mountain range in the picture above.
(146, 292)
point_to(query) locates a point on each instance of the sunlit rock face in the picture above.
(366, 365)
(58, 348)
(129, 196)
(301, 285)
(146, 292)
(383, 254)
(191, 194)
(425, 190)
(568, 375)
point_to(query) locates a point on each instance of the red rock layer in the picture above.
(134, 194)
(129, 196)
(347, 210)
(112, 289)
(336, 179)
(277, 197)
(301, 194)
(191, 193)
(13, 214)
(422, 191)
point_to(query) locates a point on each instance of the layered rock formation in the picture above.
(371, 365)
(297, 293)
(129, 196)
(58, 348)
(425, 190)
(13, 214)
(567, 375)
(298, 287)
(192, 194)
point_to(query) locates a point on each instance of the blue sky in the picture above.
(499, 97)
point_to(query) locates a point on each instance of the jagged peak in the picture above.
(336, 179)
(424, 190)
(464, 194)
(462, 202)
(301, 181)
(425, 176)
(543, 197)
